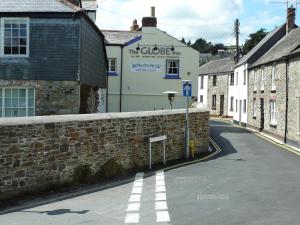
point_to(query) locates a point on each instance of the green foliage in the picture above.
(202, 45)
(82, 174)
(110, 169)
(189, 43)
(253, 40)
(183, 41)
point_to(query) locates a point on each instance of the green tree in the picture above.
(183, 41)
(253, 40)
(202, 45)
(189, 43)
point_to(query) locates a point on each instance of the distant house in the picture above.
(52, 59)
(144, 63)
(214, 79)
(274, 90)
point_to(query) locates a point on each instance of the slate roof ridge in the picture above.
(217, 66)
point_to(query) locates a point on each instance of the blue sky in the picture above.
(192, 19)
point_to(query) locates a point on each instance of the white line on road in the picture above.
(162, 214)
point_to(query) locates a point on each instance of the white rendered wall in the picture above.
(204, 90)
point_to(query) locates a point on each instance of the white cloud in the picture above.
(210, 19)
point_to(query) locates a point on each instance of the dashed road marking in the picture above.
(160, 197)
(162, 216)
(132, 218)
(161, 207)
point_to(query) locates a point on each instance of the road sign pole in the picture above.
(187, 132)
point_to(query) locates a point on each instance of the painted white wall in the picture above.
(231, 93)
(204, 90)
(144, 90)
(240, 93)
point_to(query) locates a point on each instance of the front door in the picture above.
(262, 115)
(221, 105)
(240, 112)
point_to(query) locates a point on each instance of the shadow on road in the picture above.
(56, 212)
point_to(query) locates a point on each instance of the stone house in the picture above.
(273, 90)
(52, 59)
(214, 79)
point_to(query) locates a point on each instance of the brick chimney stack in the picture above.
(150, 21)
(135, 26)
(291, 17)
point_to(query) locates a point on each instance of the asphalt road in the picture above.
(251, 182)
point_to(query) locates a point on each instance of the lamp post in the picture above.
(187, 93)
(171, 97)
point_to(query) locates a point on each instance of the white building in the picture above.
(239, 91)
(144, 63)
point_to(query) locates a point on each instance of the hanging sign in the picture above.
(146, 67)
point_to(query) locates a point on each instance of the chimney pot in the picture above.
(150, 21)
(153, 11)
(135, 26)
(291, 17)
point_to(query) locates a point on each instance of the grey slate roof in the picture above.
(120, 37)
(245, 58)
(37, 6)
(219, 66)
(89, 5)
(288, 45)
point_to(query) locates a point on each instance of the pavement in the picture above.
(251, 181)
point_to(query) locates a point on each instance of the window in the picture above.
(273, 113)
(112, 65)
(16, 102)
(231, 103)
(236, 105)
(245, 106)
(214, 102)
(201, 82)
(201, 98)
(273, 88)
(255, 81)
(237, 78)
(214, 80)
(245, 77)
(262, 84)
(173, 68)
(15, 40)
(232, 79)
(254, 108)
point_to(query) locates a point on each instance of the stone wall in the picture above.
(51, 97)
(267, 95)
(293, 134)
(36, 152)
(221, 88)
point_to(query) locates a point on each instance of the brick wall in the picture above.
(37, 152)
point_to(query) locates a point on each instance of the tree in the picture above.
(253, 40)
(214, 49)
(183, 41)
(202, 45)
(189, 43)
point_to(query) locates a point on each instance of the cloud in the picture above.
(210, 19)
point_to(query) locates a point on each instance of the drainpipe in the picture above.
(287, 98)
(121, 79)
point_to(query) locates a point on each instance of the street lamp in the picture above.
(171, 97)
(187, 92)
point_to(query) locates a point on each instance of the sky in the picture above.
(193, 19)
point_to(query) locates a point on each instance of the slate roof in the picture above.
(246, 57)
(120, 37)
(89, 5)
(219, 66)
(37, 6)
(288, 45)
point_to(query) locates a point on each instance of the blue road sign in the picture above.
(187, 89)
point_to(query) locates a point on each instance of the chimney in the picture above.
(135, 26)
(150, 21)
(78, 3)
(291, 17)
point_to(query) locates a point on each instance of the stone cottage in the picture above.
(52, 58)
(215, 77)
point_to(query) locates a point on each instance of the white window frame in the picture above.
(245, 77)
(2, 103)
(177, 62)
(245, 106)
(109, 65)
(214, 102)
(255, 80)
(201, 99)
(273, 113)
(231, 79)
(2, 38)
(231, 104)
(201, 82)
(262, 84)
(237, 78)
(254, 107)
(273, 78)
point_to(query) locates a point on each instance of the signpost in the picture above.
(187, 92)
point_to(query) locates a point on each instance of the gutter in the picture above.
(121, 79)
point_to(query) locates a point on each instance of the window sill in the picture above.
(172, 77)
(112, 74)
(273, 125)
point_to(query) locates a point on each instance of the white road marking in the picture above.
(136, 190)
(160, 183)
(135, 198)
(138, 184)
(133, 207)
(132, 218)
(160, 189)
(162, 216)
(160, 197)
(162, 205)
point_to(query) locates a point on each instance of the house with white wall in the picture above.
(145, 62)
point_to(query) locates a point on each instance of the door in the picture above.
(221, 105)
(262, 115)
(240, 112)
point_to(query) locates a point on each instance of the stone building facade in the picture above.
(43, 151)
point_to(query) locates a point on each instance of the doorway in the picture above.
(262, 115)
(221, 105)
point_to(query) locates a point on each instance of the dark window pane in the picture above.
(15, 42)
(7, 50)
(23, 25)
(23, 32)
(7, 25)
(15, 33)
(22, 41)
(7, 33)
(15, 25)
(15, 50)
(23, 50)
(7, 42)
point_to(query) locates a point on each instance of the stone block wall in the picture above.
(36, 152)
(221, 88)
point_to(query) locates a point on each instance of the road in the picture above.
(251, 182)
